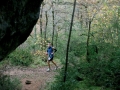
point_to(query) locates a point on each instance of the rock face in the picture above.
(17, 19)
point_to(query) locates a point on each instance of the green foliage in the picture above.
(35, 43)
(103, 73)
(103, 69)
(79, 49)
(38, 62)
(20, 57)
(70, 84)
(6, 83)
(3, 63)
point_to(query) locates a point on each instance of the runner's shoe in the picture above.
(48, 70)
(56, 68)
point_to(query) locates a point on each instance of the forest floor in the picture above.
(38, 77)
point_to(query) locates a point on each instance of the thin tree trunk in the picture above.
(53, 27)
(88, 24)
(81, 20)
(88, 39)
(41, 26)
(56, 38)
(35, 29)
(46, 25)
(86, 19)
(41, 20)
(66, 64)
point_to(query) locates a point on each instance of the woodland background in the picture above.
(92, 57)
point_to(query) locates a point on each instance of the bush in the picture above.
(72, 76)
(102, 73)
(70, 84)
(21, 57)
(9, 84)
(78, 48)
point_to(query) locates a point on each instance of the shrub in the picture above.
(102, 73)
(70, 84)
(78, 48)
(21, 57)
(72, 77)
(6, 83)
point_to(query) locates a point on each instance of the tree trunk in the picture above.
(88, 39)
(53, 27)
(66, 64)
(46, 25)
(41, 20)
(35, 29)
(41, 25)
(56, 38)
(35, 33)
(86, 19)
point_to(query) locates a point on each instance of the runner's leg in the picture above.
(54, 64)
(48, 66)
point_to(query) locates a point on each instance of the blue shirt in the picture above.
(50, 52)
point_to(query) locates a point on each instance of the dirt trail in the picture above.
(38, 76)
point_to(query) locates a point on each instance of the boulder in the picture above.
(17, 19)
